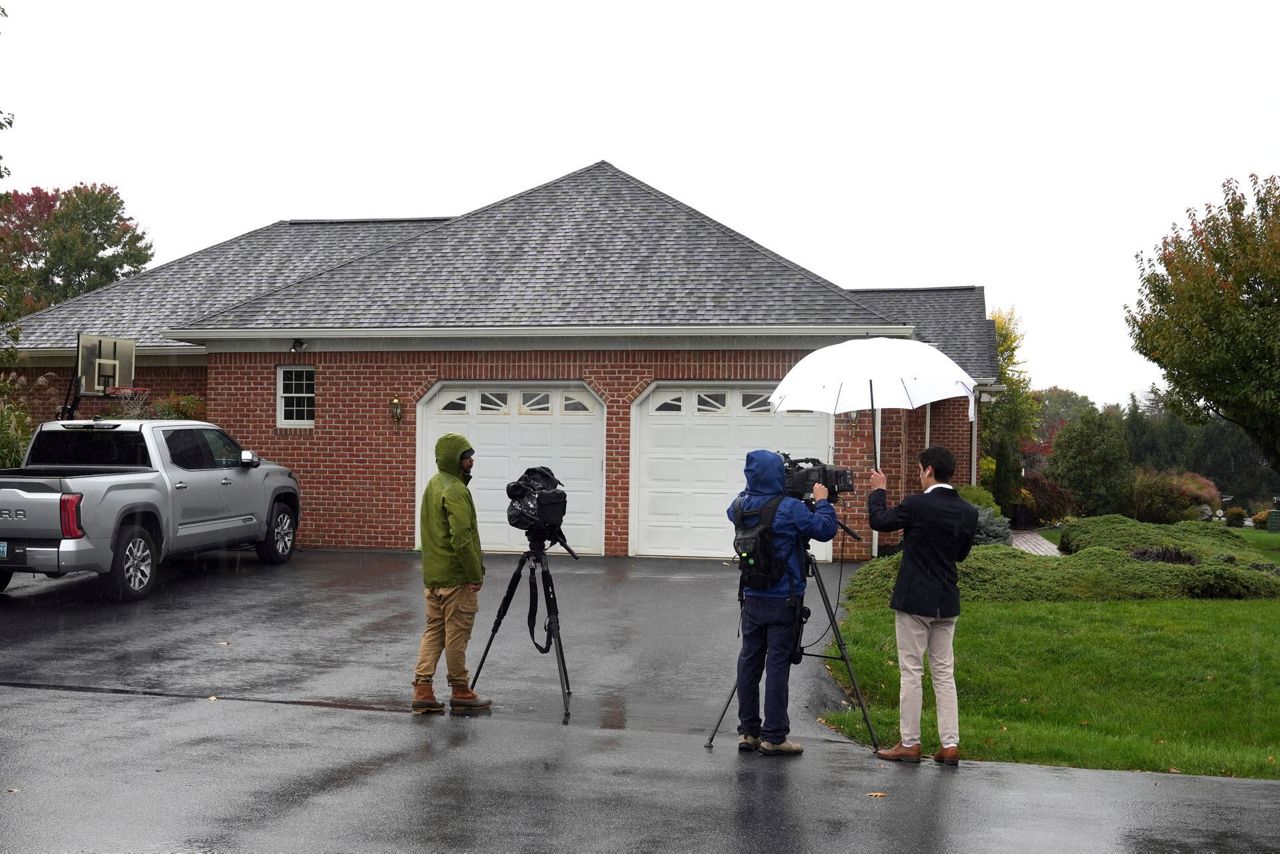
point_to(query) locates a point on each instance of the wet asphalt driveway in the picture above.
(110, 739)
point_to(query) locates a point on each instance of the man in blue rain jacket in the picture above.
(770, 617)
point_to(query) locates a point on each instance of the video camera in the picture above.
(803, 473)
(537, 507)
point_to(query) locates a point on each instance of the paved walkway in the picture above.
(1031, 541)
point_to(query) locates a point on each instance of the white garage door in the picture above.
(517, 428)
(691, 444)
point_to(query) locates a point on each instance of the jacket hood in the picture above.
(765, 472)
(449, 450)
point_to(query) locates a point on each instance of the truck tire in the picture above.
(134, 567)
(282, 535)
(5, 578)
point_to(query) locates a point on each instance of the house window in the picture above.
(295, 397)
(576, 403)
(493, 402)
(712, 401)
(668, 402)
(454, 403)
(535, 402)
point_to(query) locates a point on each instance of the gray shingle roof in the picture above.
(596, 247)
(954, 318)
(210, 280)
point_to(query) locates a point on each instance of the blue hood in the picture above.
(765, 473)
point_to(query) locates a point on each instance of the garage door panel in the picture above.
(689, 466)
(517, 437)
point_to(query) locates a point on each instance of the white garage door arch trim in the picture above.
(585, 520)
(821, 429)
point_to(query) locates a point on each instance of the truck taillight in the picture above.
(70, 507)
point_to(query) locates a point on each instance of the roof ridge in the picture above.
(922, 288)
(742, 238)
(368, 219)
(137, 276)
(349, 261)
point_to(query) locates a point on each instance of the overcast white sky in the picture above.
(1030, 148)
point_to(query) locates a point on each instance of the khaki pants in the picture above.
(451, 612)
(916, 635)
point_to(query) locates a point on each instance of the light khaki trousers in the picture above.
(916, 635)
(451, 612)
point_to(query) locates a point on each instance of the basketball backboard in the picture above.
(103, 362)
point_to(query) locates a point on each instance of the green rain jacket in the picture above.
(450, 539)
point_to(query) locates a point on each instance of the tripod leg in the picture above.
(720, 719)
(502, 612)
(844, 652)
(553, 630)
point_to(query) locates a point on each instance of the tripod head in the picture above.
(540, 538)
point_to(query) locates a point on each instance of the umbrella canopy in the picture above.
(871, 373)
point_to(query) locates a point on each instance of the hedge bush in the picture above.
(977, 496)
(1050, 502)
(1235, 517)
(1207, 542)
(1003, 574)
(1260, 519)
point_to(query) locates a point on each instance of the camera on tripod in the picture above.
(537, 504)
(804, 472)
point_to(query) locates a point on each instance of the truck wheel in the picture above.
(5, 578)
(135, 566)
(282, 535)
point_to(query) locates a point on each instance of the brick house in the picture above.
(593, 324)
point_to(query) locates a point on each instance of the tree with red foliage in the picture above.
(58, 244)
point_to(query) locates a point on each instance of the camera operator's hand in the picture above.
(475, 586)
(820, 492)
(878, 480)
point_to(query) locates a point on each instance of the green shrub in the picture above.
(16, 424)
(1157, 497)
(1235, 517)
(977, 496)
(992, 528)
(1260, 520)
(1003, 574)
(1207, 542)
(1049, 502)
(181, 406)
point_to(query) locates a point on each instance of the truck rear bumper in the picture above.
(70, 556)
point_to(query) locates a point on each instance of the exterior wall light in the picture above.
(397, 411)
(297, 346)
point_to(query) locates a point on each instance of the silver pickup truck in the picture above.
(119, 497)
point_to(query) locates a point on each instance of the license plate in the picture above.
(4, 551)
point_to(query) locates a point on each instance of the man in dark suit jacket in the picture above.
(938, 529)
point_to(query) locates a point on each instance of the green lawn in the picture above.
(1267, 542)
(1053, 535)
(1192, 685)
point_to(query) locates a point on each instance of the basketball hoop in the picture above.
(133, 399)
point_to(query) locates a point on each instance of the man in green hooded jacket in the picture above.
(452, 572)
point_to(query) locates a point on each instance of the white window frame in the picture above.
(280, 419)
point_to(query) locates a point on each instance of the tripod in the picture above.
(811, 570)
(536, 558)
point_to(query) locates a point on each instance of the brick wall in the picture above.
(44, 403)
(357, 467)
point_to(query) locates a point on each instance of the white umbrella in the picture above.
(871, 373)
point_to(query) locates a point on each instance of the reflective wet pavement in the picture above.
(110, 740)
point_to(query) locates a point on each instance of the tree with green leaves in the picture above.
(1208, 312)
(1091, 458)
(55, 245)
(6, 120)
(1013, 417)
(1057, 407)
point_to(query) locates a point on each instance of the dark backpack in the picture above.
(753, 546)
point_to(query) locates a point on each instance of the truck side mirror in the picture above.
(249, 460)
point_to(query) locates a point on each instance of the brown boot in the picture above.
(898, 753)
(465, 699)
(424, 700)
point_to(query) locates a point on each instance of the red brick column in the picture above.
(619, 387)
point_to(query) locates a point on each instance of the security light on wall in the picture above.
(297, 346)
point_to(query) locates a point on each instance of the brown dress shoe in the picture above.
(947, 756)
(424, 700)
(898, 753)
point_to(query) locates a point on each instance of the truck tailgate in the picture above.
(30, 509)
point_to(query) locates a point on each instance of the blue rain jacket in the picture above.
(794, 524)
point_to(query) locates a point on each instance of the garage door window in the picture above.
(494, 402)
(754, 403)
(667, 402)
(713, 403)
(578, 404)
(535, 403)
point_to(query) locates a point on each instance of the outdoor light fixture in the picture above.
(297, 346)
(397, 411)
